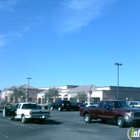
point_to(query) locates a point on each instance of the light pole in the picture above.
(118, 64)
(28, 88)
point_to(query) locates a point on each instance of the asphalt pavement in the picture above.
(65, 125)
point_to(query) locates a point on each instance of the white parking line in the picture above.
(4, 135)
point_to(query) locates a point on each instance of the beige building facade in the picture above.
(70, 92)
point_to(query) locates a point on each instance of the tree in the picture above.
(3, 102)
(55, 93)
(48, 96)
(52, 92)
(11, 97)
(18, 93)
(81, 96)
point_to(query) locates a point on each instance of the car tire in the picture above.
(120, 121)
(74, 109)
(138, 124)
(11, 118)
(23, 119)
(87, 118)
(51, 108)
(59, 109)
(42, 121)
(103, 121)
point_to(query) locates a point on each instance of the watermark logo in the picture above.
(131, 133)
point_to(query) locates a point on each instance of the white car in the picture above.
(134, 103)
(87, 104)
(28, 110)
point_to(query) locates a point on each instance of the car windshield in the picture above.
(121, 104)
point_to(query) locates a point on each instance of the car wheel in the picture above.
(59, 109)
(11, 118)
(23, 119)
(103, 121)
(138, 124)
(42, 121)
(120, 121)
(87, 118)
(51, 108)
(75, 109)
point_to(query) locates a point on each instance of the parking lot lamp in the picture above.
(118, 64)
(28, 88)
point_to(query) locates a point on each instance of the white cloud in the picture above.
(18, 34)
(7, 4)
(2, 40)
(2, 36)
(2, 43)
(75, 14)
(25, 29)
(9, 37)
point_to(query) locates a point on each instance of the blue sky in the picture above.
(69, 42)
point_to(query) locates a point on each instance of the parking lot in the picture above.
(65, 125)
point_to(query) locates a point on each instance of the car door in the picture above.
(8, 108)
(17, 110)
(107, 111)
(101, 110)
(56, 104)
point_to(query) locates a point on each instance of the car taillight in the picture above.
(62, 104)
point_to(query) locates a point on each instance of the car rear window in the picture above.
(29, 106)
(66, 102)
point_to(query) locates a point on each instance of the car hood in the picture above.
(129, 109)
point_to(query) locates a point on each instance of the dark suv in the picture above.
(60, 105)
(76, 106)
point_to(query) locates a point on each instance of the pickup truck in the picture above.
(27, 110)
(118, 111)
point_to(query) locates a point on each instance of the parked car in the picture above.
(60, 105)
(134, 104)
(88, 104)
(29, 111)
(94, 105)
(117, 111)
(76, 105)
